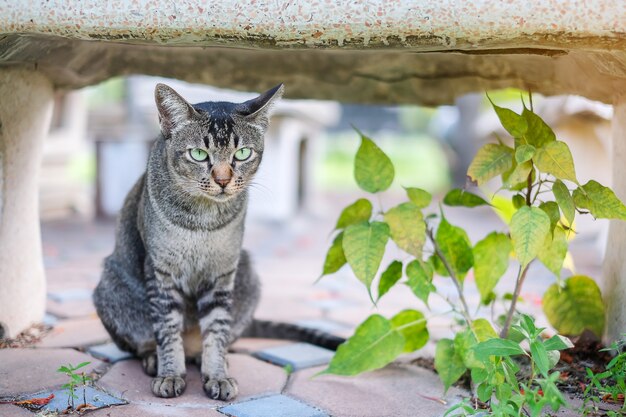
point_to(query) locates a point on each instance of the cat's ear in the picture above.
(173, 109)
(258, 110)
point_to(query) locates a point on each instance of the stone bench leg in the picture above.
(26, 99)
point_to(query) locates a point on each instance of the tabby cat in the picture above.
(178, 263)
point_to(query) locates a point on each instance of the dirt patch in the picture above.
(27, 338)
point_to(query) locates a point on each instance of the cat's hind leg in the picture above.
(122, 305)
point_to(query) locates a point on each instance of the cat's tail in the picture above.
(289, 331)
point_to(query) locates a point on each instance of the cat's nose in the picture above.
(222, 175)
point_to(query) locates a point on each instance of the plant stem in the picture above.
(521, 275)
(455, 280)
(529, 182)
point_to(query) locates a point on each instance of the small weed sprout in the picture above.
(75, 379)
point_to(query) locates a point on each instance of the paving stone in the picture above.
(109, 352)
(254, 344)
(76, 333)
(50, 319)
(70, 294)
(297, 355)
(31, 370)
(395, 391)
(86, 395)
(328, 326)
(71, 309)
(255, 378)
(154, 410)
(272, 406)
(9, 410)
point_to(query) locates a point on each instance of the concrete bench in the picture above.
(383, 51)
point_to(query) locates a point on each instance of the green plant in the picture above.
(75, 379)
(537, 227)
(608, 384)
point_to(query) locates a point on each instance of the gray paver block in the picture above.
(109, 352)
(70, 294)
(9, 410)
(255, 377)
(92, 396)
(329, 326)
(253, 344)
(272, 406)
(152, 410)
(298, 355)
(50, 320)
(394, 391)
(31, 370)
(76, 333)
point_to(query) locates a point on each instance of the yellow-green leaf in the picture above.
(412, 325)
(483, 330)
(335, 257)
(529, 228)
(407, 226)
(364, 247)
(456, 247)
(555, 158)
(373, 169)
(519, 175)
(538, 133)
(515, 124)
(464, 342)
(388, 279)
(601, 201)
(552, 210)
(419, 197)
(490, 161)
(564, 200)
(448, 362)
(420, 279)
(524, 153)
(359, 211)
(374, 344)
(491, 260)
(554, 250)
(575, 307)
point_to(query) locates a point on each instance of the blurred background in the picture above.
(99, 143)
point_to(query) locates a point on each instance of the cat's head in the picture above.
(213, 149)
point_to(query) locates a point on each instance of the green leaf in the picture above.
(554, 251)
(524, 153)
(491, 260)
(601, 201)
(420, 277)
(80, 365)
(529, 228)
(564, 200)
(388, 279)
(373, 169)
(455, 247)
(63, 369)
(357, 212)
(374, 344)
(335, 257)
(412, 325)
(575, 307)
(364, 247)
(538, 133)
(515, 124)
(518, 201)
(448, 363)
(419, 197)
(408, 229)
(464, 342)
(490, 161)
(552, 210)
(558, 342)
(555, 158)
(483, 330)
(458, 197)
(498, 347)
(540, 356)
(518, 177)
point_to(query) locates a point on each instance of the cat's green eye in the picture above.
(243, 154)
(199, 154)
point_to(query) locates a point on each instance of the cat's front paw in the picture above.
(149, 364)
(168, 386)
(220, 389)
